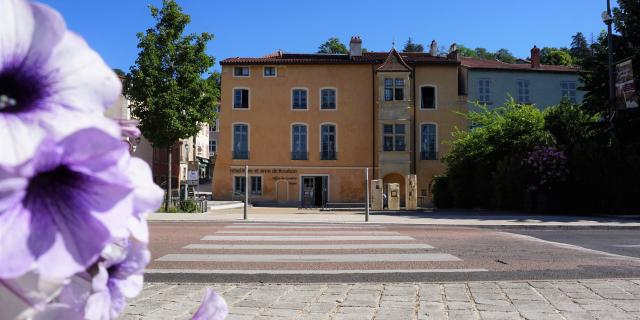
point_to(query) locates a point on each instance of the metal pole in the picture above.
(246, 189)
(612, 91)
(366, 202)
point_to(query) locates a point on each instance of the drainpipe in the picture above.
(414, 120)
(374, 124)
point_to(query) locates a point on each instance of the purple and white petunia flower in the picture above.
(60, 209)
(213, 307)
(47, 76)
(118, 276)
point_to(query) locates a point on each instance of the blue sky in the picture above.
(256, 28)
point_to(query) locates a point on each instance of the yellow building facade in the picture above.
(308, 125)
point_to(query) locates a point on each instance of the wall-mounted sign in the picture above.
(626, 91)
(265, 170)
(192, 177)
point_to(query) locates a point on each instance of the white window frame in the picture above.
(489, 85)
(291, 134)
(233, 184)
(320, 137)
(569, 90)
(248, 74)
(233, 137)
(252, 191)
(216, 143)
(435, 98)
(320, 98)
(437, 138)
(526, 85)
(264, 68)
(308, 100)
(233, 98)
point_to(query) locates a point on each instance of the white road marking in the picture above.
(421, 257)
(298, 226)
(626, 245)
(308, 246)
(280, 271)
(323, 232)
(304, 238)
(574, 247)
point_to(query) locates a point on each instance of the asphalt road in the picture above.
(313, 252)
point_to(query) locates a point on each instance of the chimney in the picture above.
(433, 49)
(535, 57)
(454, 54)
(355, 46)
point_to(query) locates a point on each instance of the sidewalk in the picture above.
(548, 300)
(444, 218)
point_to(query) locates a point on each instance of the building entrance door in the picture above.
(314, 191)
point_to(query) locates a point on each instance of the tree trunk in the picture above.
(166, 206)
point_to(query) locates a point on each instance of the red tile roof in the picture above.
(320, 58)
(474, 63)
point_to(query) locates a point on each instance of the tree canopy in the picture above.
(556, 56)
(333, 46)
(410, 46)
(166, 87)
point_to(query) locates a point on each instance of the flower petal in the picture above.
(14, 250)
(213, 307)
(19, 139)
(16, 27)
(79, 78)
(49, 30)
(25, 295)
(148, 196)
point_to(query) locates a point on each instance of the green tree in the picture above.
(555, 56)
(484, 164)
(484, 54)
(410, 46)
(333, 46)
(466, 52)
(166, 88)
(625, 44)
(579, 48)
(505, 56)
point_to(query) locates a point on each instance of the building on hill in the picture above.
(492, 82)
(308, 125)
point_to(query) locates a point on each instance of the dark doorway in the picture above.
(314, 191)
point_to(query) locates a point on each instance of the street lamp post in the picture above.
(607, 18)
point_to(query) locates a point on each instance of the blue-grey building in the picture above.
(491, 82)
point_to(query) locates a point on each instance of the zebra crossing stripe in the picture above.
(206, 246)
(304, 238)
(293, 258)
(327, 232)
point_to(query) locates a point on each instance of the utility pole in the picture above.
(246, 189)
(607, 18)
(366, 201)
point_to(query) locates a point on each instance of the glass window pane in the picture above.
(388, 143)
(399, 94)
(388, 128)
(388, 94)
(400, 129)
(388, 82)
(400, 146)
(399, 82)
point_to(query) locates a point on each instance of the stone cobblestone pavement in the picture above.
(546, 300)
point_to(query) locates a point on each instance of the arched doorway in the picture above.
(395, 178)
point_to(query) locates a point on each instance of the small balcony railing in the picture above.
(240, 155)
(428, 155)
(328, 155)
(299, 155)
